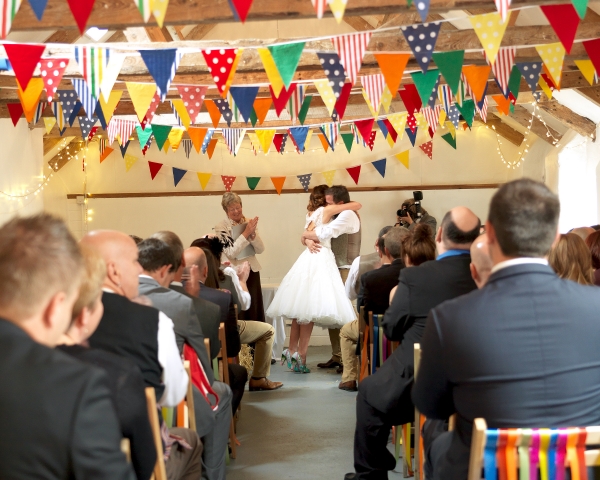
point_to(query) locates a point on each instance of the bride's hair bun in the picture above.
(421, 232)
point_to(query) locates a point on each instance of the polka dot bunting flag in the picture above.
(327, 95)
(490, 29)
(422, 39)
(52, 70)
(531, 73)
(68, 99)
(154, 103)
(454, 115)
(129, 161)
(428, 149)
(192, 96)
(228, 182)
(305, 181)
(221, 64)
(334, 70)
(225, 109)
(86, 126)
(553, 55)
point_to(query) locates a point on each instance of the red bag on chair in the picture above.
(199, 378)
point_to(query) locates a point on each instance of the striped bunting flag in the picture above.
(144, 8)
(331, 132)
(187, 146)
(503, 66)
(351, 50)
(295, 102)
(357, 137)
(92, 63)
(8, 10)
(432, 116)
(445, 95)
(373, 86)
(85, 96)
(60, 116)
(319, 7)
(177, 117)
(233, 139)
(463, 90)
(121, 127)
(483, 110)
(38, 112)
(502, 7)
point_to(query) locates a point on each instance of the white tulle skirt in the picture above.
(313, 291)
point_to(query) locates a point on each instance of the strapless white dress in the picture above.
(313, 291)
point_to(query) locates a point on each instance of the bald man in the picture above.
(481, 262)
(384, 398)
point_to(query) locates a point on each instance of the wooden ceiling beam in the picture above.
(591, 93)
(117, 37)
(64, 35)
(72, 148)
(358, 23)
(566, 116)
(122, 13)
(506, 131)
(522, 116)
(157, 34)
(200, 31)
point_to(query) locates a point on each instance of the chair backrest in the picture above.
(419, 421)
(186, 415)
(505, 451)
(160, 472)
(364, 341)
(223, 369)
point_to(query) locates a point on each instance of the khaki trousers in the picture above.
(185, 464)
(262, 335)
(349, 339)
(334, 333)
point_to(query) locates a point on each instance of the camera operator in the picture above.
(411, 213)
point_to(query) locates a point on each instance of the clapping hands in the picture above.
(250, 231)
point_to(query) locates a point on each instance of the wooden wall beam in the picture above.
(200, 31)
(522, 116)
(566, 116)
(506, 131)
(591, 93)
(71, 149)
(358, 23)
(157, 34)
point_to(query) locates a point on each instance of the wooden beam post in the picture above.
(566, 116)
(513, 136)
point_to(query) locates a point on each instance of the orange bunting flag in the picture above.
(261, 108)
(392, 67)
(104, 155)
(502, 104)
(477, 76)
(197, 135)
(213, 111)
(30, 97)
(278, 183)
(211, 147)
(324, 141)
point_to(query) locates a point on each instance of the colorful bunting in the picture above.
(502, 67)
(324, 142)
(129, 161)
(59, 116)
(305, 180)
(454, 115)
(244, 99)
(233, 139)
(380, 166)
(68, 100)
(354, 172)
(159, 9)
(23, 59)
(365, 127)
(284, 96)
(373, 87)
(175, 136)
(8, 10)
(223, 106)
(351, 50)
(149, 116)
(241, 8)
(85, 96)
(228, 182)
(213, 111)
(108, 107)
(386, 99)
(502, 104)
(49, 123)
(564, 20)
(427, 149)
(298, 135)
(334, 70)
(104, 151)
(592, 47)
(197, 135)
(338, 7)
(348, 139)
(92, 62)
(252, 182)
(204, 178)
(412, 136)
(261, 108)
(319, 6)
(404, 158)
(192, 96)
(286, 58)
(211, 145)
(187, 147)
(331, 132)
(422, 39)
(477, 76)
(222, 64)
(30, 97)
(145, 8)
(586, 67)
(162, 65)
(265, 138)
(279, 141)
(161, 134)
(52, 70)
(15, 111)
(531, 73)
(328, 177)
(278, 183)
(450, 140)
(81, 10)
(141, 96)
(490, 28)
(306, 104)
(295, 102)
(450, 66)
(86, 125)
(482, 108)
(271, 70)
(154, 168)
(392, 67)
(553, 55)
(581, 7)
(122, 128)
(111, 72)
(432, 116)
(327, 95)
(426, 84)
(178, 175)
(143, 135)
(467, 109)
(398, 121)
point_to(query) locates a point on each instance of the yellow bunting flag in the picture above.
(545, 87)
(184, 116)
(327, 94)
(166, 146)
(553, 56)
(278, 183)
(175, 136)
(141, 96)
(129, 161)
(271, 69)
(211, 147)
(404, 158)
(213, 111)
(203, 178)
(390, 140)
(477, 76)
(328, 177)
(324, 141)
(368, 102)
(421, 120)
(452, 129)
(108, 107)
(307, 141)
(261, 108)
(159, 10)
(386, 99)
(30, 97)
(392, 67)
(490, 29)
(197, 135)
(442, 117)
(398, 121)
(265, 137)
(49, 123)
(338, 7)
(587, 70)
(254, 141)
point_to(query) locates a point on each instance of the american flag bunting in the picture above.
(432, 115)
(483, 110)
(373, 86)
(351, 50)
(503, 66)
(502, 7)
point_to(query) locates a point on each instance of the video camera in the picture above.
(407, 209)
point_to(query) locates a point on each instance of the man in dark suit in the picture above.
(520, 352)
(374, 295)
(57, 418)
(384, 398)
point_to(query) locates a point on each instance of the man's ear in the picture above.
(164, 270)
(490, 233)
(474, 273)
(55, 317)
(438, 236)
(113, 273)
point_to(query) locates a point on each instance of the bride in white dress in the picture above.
(312, 292)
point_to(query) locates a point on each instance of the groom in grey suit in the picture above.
(157, 261)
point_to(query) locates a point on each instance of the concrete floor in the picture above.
(302, 431)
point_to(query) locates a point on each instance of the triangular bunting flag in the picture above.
(380, 166)
(8, 10)
(371, 140)
(305, 180)
(104, 155)
(252, 182)
(450, 66)
(286, 58)
(265, 138)
(110, 74)
(553, 55)
(222, 64)
(81, 10)
(404, 158)
(130, 160)
(162, 65)
(426, 84)
(124, 148)
(351, 50)
(427, 149)
(411, 98)
(210, 149)
(86, 125)
(531, 73)
(331, 131)
(241, 8)
(398, 121)
(327, 95)
(233, 139)
(422, 39)
(178, 174)
(450, 140)
(154, 168)
(354, 172)
(159, 10)
(319, 6)
(386, 99)
(68, 100)
(244, 98)
(305, 106)
(454, 115)
(227, 182)
(323, 140)
(411, 136)
(141, 96)
(284, 96)
(203, 178)
(261, 107)
(92, 62)
(502, 103)
(52, 70)
(197, 135)
(16, 111)
(392, 67)
(490, 28)
(74, 113)
(338, 7)
(175, 136)
(30, 97)
(192, 96)
(502, 67)
(23, 59)
(279, 141)
(143, 135)
(432, 115)
(223, 106)
(586, 67)
(468, 111)
(373, 86)
(180, 112)
(592, 47)
(341, 103)
(271, 70)
(482, 108)
(278, 183)
(49, 123)
(581, 7)
(329, 177)
(298, 135)
(564, 21)
(334, 71)
(38, 7)
(161, 134)
(85, 97)
(365, 127)
(213, 111)
(477, 76)
(187, 147)
(348, 139)
(109, 106)
(514, 83)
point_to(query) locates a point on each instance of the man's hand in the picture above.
(310, 235)
(313, 246)
(192, 286)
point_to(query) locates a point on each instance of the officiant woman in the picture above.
(234, 251)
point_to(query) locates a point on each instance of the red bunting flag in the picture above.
(81, 10)
(278, 183)
(192, 96)
(151, 111)
(221, 63)
(342, 101)
(428, 148)
(564, 21)
(354, 172)
(592, 47)
(228, 182)
(24, 59)
(154, 168)
(411, 98)
(242, 7)
(365, 127)
(371, 140)
(284, 96)
(16, 112)
(52, 70)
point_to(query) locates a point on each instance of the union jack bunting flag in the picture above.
(351, 50)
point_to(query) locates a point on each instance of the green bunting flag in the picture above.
(425, 83)
(252, 182)
(514, 81)
(467, 110)
(143, 135)
(253, 117)
(161, 133)
(286, 58)
(304, 110)
(450, 140)
(348, 139)
(450, 65)
(580, 6)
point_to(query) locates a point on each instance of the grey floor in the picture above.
(302, 431)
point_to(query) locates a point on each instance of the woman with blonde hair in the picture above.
(237, 252)
(571, 259)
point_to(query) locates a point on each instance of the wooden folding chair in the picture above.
(186, 415)
(514, 452)
(363, 344)
(419, 421)
(160, 472)
(223, 372)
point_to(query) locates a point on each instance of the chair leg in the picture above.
(232, 440)
(406, 460)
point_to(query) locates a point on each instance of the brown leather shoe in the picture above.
(331, 363)
(263, 384)
(348, 386)
(339, 370)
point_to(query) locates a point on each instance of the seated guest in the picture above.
(363, 264)
(582, 232)
(481, 262)
(593, 243)
(521, 352)
(571, 259)
(126, 383)
(260, 333)
(57, 420)
(384, 398)
(212, 424)
(375, 289)
(209, 316)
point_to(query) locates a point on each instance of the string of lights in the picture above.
(522, 152)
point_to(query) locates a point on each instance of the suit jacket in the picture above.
(180, 309)
(225, 302)
(209, 316)
(375, 288)
(521, 352)
(57, 418)
(127, 391)
(419, 290)
(428, 220)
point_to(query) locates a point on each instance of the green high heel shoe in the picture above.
(300, 366)
(286, 357)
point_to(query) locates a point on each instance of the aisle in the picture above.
(302, 431)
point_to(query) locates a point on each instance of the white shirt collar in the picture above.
(109, 290)
(177, 284)
(519, 261)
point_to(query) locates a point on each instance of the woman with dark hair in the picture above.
(418, 246)
(312, 292)
(571, 259)
(593, 243)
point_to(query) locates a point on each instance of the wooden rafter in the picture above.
(200, 31)
(522, 116)
(157, 34)
(358, 23)
(566, 116)
(72, 148)
(64, 35)
(591, 93)
(506, 131)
